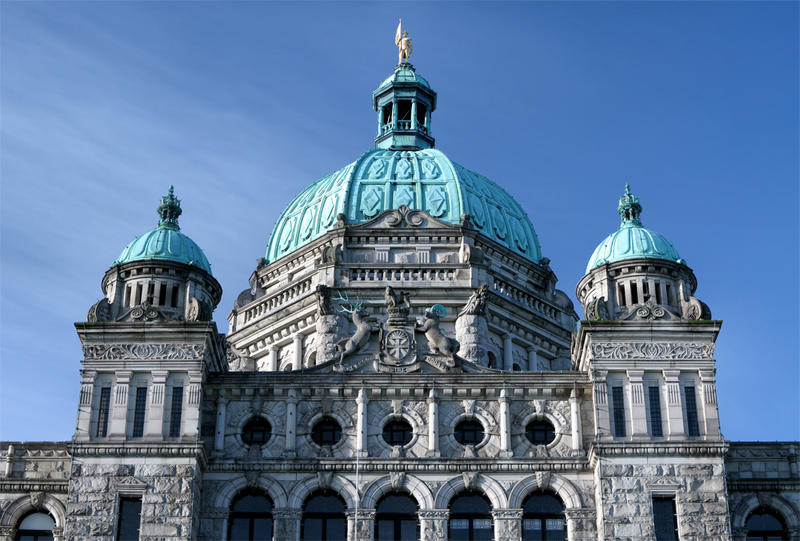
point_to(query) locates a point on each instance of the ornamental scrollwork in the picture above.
(652, 350)
(143, 351)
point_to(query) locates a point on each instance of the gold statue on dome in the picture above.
(403, 43)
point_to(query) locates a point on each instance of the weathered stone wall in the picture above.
(169, 495)
(626, 491)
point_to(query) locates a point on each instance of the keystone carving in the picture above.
(405, 215)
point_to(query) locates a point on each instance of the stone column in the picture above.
(361, 420)
(710, 411)
(505, 425)
(272, 359)
(674, 412)
(413, 114)
(8, 469)
(533, 359)
(361, 525)
(433, 524)
(119, 406)
(601, 413)
(287, 524)
(190, 423)
(219, 433)
(291, 425)
(83, 427)
(507, 524)
(154, 423)
(575, 420)
(581, 524)
(433, 424)
(508, 352)
(297, 352)
(638, 413)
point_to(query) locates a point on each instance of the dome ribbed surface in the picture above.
(632, 241)
(166, 244)
(383, 179)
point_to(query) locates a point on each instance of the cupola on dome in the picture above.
(166, 242)
(404, 169)
(632, 240)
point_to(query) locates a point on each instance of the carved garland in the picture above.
(652, 350)
(143, 351)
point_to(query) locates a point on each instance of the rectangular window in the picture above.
(658, 292)
(665, 519)
(692, 426)
(102, 412)
(138, 412)
(138, 294)
(130, 518)
(634, 294)
(656, 428)
(621, 295)
(404, 110)
(150, 291)
(645, 290)
(174, 302)
(618, 405)
(420, 114)
(669, 295)
(127, 296)
(162, 294)
(175, 412)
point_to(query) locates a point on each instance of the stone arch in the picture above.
(465, 481)
(337, 483)
(24, 505)
(272, 488)
(772, 501)
(544, 481)
(418, 490)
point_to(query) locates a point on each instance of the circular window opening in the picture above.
(256, 432)
(469, 432)
(540, 432)
(326, 432)
(397, 432)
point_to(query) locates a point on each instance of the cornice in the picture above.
(649, 449)
(140, 449)
(50, 486)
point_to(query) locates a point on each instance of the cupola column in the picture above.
(674, 412)
(155, 415)
(414, 115)
(119, 411)
(297, 345)
(394, 114)
(272, 359)
(381, 120)
(533, 359)
(508, 352)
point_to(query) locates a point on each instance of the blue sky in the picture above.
(241, 105)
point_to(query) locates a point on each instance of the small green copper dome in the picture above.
(632, 240)
(383, 179)
(403, 73)
(166, 242)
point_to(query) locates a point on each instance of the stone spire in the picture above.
(629, 208)
(169, 210)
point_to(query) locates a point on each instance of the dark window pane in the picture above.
(175, 412)
(336, 529)
(262, 529)
(664, 519)
(408, 530)
(618, 405)
(257, 431)
(138, 413)
(469, 432)
(397, 432)
(102, 412)
(252, 503)
(312, 529)
(240, 529)
(130, 516)
(540, 432)
(326, 432)
(691, 412)
(656, 427)
(397, 504)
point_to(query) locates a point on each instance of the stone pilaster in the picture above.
(674, 412)
(709, 401)
(290, 449)
(433, 424)
(507, 524)
(154, 423)
(581, 524)
(287, 524)
(433, 524)
(272, 359)
(361, 421)
(505, 425)
(219, 433)
(575, 422)
(601, 413)
(85, 403)
(638, 413)
(190, 424)
(361, 525)
(119, 406)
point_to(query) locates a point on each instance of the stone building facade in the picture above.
(402, 342)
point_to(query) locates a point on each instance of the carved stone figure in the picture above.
(596, 309)
(348, 346)
(397, 305)
(237, 361)
(100, 311)
(438, 342)
(323, 294)
(476, 304)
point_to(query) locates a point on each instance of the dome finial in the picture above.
(629, 208)
(169, 210)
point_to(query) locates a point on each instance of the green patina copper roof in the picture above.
(383, 179)
(632, 240)
(403, 73)
(166, 242)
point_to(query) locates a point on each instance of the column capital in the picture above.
(433, 514)
(286, 512)
(500, 514)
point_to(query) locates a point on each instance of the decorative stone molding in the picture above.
(168, 352)
(625, 351)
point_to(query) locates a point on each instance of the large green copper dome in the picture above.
(632, 240)
(166, 242)
(404, 169)
(383, 179)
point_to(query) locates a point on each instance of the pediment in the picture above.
(404, 217)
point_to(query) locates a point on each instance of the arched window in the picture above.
(543, 518)
(251, 517)
(396, 518)
(323, 518)
(764, 525)
(470, 518)
(36, 527)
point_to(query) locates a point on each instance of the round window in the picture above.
(469, 432)
(257, 431)
(326, 432)
(397, 432)
(540, 432)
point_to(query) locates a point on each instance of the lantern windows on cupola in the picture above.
(404, 102)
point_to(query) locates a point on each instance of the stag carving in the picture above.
(348, 346)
